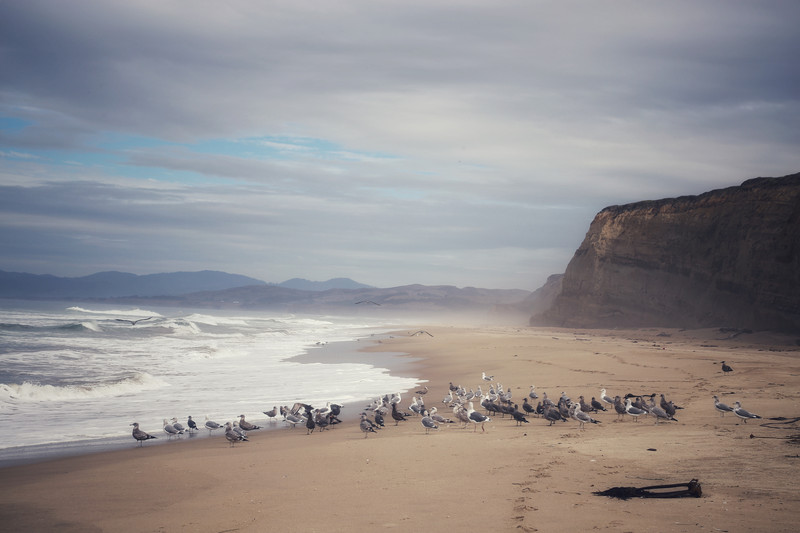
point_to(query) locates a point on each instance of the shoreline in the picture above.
(534, 477)
(349, 351)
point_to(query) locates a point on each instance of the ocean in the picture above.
(74, 376)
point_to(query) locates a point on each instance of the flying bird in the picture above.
(367, 302)
(133, 322)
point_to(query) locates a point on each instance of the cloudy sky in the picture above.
(467, 143)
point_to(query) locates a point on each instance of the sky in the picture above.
(465, 143)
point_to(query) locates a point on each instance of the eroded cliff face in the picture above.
(729, 257)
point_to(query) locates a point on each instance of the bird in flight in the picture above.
(133, 322)
(367, 302)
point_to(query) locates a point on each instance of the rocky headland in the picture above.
(728, 257)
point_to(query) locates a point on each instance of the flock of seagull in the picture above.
(497, 402)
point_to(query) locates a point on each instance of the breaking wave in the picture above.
(33, 392)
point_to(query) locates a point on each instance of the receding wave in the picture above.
(33, 392)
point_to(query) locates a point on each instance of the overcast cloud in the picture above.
(462, 143)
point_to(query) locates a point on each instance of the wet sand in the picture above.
(530, 478)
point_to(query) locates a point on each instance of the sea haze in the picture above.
(76, 373)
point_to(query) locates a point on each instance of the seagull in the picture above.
(366, 426)
(585, 408)
(379, 419)
(605, 397)
(726, 368)
(177, 425)
(439, 418)
(397, 416)
(133, 322)
(245, 425)
(635, 412)
(140, 435)
(519, 416)
(367, 302)
(421, 332)
(597, 405)
(485, 377)
(477, 418)
(232, 436)
(294, 420)
(422, 391)
(532, 394)
(576, 413)
(721, 407)
(170, 430)
(552, 414)
(272, 413)
(192, 424)
(619, 407)
(527, 407)
(428, 423)
(742, 413)
(211, 425)
(658, 412)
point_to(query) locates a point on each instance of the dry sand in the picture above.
(530, 478)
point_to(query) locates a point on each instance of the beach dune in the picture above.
(532, 477)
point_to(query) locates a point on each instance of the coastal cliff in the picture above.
(728, 257)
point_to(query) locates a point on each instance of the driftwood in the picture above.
(691, 489)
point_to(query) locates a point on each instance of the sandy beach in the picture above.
(533, 477)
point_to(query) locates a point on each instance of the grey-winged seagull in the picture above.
(721, 407)
(232, 436)
(211, 425)
(170, 430)
(582, 418)
(742, 413)
(427, 422)
(635, 412)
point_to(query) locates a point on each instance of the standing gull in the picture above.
(272, 413)
(366, 426)
(605, 397)
(211, 425)
(245, 425)
(485, 377)
(477, 418)
(742, 413)
(428, 423)
(721, 407)
(232, 436)
(140, 435)
(632, 410)
(192, 424)
(170, 430)
(576, 413)
(726, 368)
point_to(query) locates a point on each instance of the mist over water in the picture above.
(70, 373)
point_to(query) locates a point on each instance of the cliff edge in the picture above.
(728, 257)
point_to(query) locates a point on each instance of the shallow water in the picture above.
(78, 374)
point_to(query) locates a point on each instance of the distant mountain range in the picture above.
(117, 284)
(220, 290)
(335, 283)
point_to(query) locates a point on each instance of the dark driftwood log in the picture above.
(692, 489)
